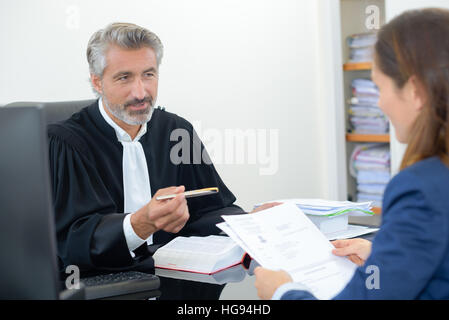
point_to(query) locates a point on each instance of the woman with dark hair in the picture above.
(411, 249)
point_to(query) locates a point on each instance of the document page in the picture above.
(284, 238)
(351, 232)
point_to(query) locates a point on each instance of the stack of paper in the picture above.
(361, 47)
(283, 237)
(365, 115)
(331, 217)
(328, 208)
(370, 165)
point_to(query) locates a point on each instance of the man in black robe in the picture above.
(110, 160)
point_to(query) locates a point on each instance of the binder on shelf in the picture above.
(370, 166)
(361, 46)
(365, 115)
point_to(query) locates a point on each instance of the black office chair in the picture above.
(117, 285)
(56, 111)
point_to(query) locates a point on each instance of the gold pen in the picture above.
(191, 193)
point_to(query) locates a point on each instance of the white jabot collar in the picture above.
(136, 180)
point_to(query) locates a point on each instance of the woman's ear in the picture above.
(415, 93)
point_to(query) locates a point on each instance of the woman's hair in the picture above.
(124, 35)
(416, 43)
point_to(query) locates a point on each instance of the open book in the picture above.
(205, 255)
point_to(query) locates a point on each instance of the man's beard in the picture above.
(131, 117)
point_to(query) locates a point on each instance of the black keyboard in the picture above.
(118, 284)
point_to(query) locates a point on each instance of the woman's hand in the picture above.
(357, 250)
(267, 281)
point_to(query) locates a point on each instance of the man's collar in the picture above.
(121, 134)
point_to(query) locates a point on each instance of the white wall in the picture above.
(331, 97)
(228, 64)
(231, 64)
(396, 7)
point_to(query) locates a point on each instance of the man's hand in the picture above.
(267, 281)
(357, 250)
(169, 215)
(266, 206)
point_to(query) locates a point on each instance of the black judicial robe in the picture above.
(87, 180)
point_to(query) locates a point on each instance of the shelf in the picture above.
(350, 66)
(355, 137)
(376, 210)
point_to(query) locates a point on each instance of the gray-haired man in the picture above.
(111, 159)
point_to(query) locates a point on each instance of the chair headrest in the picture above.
(55, 111)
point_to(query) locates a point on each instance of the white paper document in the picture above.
(351, 232)
(283, 237)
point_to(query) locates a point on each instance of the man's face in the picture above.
(129, 84)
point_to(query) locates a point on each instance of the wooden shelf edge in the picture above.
(355, 137)
(350, 66)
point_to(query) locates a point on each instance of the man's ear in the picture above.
(96, 83)
(416, 94)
